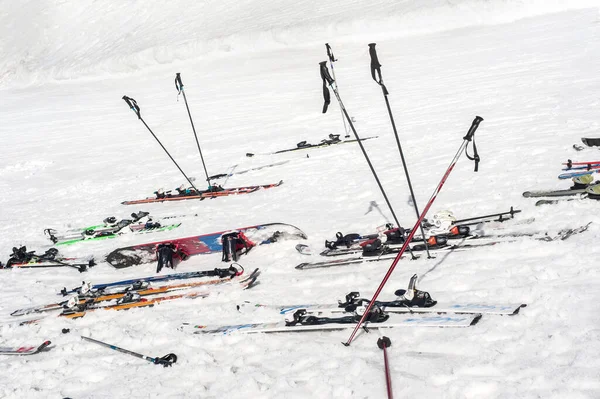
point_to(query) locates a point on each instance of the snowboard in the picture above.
(202, 244)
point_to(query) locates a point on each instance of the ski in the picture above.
(229, 272)
(570, 163)
(110, 225)
(582, 167)
(337, 323)
(556, 201)
(204, 194)
(553, 193)
(203, 244)
(222, 175)
(93, 297)
(23, 259)
(570, 175)
(24, 350)
(591, 142)
(109, 234)
(334, 139)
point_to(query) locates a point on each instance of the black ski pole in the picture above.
(332, 59)
(376, 68)
(463, 148)
(383, 343)
(179, 87)
(133, 105)
(165, 361)
(500, 215)
(328, 80)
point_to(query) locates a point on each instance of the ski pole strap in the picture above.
(178, 83)
(376, 68)
(327, 80)
(133, 105)
(330, 53)
(471, 137)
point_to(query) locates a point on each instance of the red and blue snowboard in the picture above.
(203, 244)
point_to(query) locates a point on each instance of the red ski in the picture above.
(204, 194)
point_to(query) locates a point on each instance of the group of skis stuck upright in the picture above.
(443, 232)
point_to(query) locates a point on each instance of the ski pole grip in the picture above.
(128, 101)
(373, 54)
(178, 82)
(473, 128)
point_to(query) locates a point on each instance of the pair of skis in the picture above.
(391, 253)
(411, 308)
(129, 299)
(93, 297)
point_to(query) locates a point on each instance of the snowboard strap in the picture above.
(167, 254)
(233, 245)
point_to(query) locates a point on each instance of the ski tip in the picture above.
(301, 266)
(252, 283)
(475, 320)
(527, 194)
(523, 305)
(43, 346)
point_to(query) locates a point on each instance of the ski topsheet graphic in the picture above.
(203, 244)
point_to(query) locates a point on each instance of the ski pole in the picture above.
(328, 80)
(383, 343)
(500, 214)
(165, 361)
(332, 59)
(376, 68)
(133, 105)
(463, 148)
(179, 87)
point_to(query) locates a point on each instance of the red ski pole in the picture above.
(383, 343)
(469, 137)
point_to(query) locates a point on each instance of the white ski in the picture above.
(458, 308)
(24, 350)
(395, 320)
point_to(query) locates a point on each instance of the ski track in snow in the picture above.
(73, 152)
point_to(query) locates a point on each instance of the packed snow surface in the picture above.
(73, 151)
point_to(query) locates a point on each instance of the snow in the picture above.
(72, 151)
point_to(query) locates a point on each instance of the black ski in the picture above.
(333, 139)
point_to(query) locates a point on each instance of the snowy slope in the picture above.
(73, 152)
